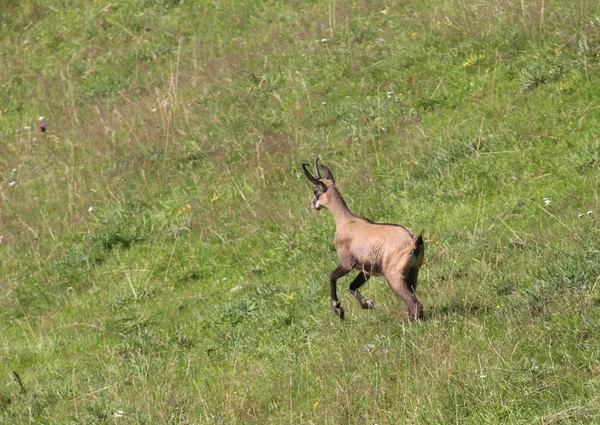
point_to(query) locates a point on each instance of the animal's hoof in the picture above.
(418, 317)
(368, 304)
(337, 308)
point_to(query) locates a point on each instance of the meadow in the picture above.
(161, 264)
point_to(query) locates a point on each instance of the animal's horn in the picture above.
(308, 175)
(317, 174)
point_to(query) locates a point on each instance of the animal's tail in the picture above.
(419, 251)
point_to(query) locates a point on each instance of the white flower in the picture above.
(324, 103)
(90, 209)
(14, 170)
(580, 215)
(384, 12)
(12, 183)
(27, 127)
(590, 212)
(41, 118)
(547, 201)
(389, 94)
(323, 40)
(118, 414)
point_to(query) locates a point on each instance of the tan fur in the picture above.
(373, 249)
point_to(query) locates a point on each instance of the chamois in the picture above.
(374, 249)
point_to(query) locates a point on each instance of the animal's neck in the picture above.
(339, 209)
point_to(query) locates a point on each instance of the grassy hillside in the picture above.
(160, 260)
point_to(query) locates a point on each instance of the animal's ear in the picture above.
(327, 173)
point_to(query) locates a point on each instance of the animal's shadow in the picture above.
(456, 308)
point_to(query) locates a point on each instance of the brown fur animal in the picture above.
(374, 249)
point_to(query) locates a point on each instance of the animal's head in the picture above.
(322, 185)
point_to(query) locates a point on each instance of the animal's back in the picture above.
(397, 235)
(402, 243)
(375, 245)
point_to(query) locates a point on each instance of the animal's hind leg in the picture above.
(401, 286)
(411, 279)
(357, 283)
(339, 271)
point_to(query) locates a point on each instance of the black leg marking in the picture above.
(357, 283)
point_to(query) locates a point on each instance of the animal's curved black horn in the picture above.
(317, 174)
(310, 176)
(327, 173)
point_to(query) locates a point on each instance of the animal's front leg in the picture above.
(357, 283)
(339, 271)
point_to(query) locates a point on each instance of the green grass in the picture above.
(195, 289)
